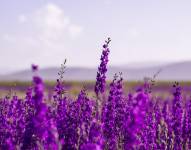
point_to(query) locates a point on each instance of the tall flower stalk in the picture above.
(101, 74)
(177, 113)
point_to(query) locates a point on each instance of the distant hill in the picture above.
(174, 71)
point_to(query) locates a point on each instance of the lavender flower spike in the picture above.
(102, 69)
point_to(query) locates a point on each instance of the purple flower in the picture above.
(102, 69)
(95, 133)
(59, 90)
(177, 116)
(34, 67)
(90, 146)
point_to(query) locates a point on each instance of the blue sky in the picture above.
(46, 32)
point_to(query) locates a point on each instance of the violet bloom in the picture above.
(120, 112)
(38, 90)
(29, 93)
(185, 131)
(166, 111)
(61, 117)
(135, 121)
(38, 129)
(90, 146)
(102, 69)
(6, 131)
(189, 122)
(85, 116)
(109, 130)
(34, 67)
(177, 116)
(59, 90)
(149, 132)
(157, 112)
(71, 127)
(95, 133)
(33, 128)
(74, 122)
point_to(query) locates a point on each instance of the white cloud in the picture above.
(50, 21)
(52, 24)
(75, 30)
(41, 34)
(49, 25)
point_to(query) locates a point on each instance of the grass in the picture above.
(161, 88)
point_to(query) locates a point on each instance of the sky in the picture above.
(45, 32)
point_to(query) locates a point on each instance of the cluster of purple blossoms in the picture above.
(102, 69)
(137, 121)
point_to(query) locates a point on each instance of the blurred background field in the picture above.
(159, 89)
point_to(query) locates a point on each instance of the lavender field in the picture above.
(99, 115)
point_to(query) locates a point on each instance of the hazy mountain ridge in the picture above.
(174, 71)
